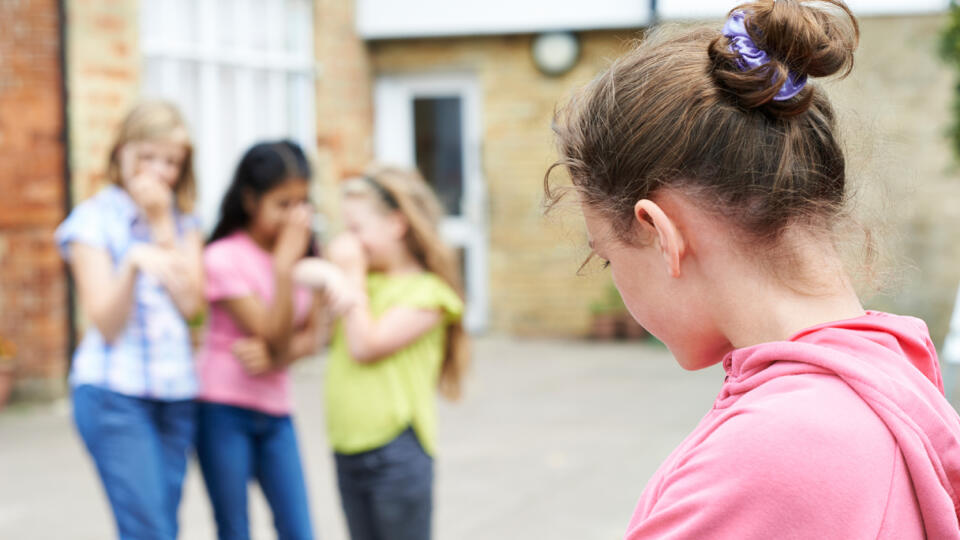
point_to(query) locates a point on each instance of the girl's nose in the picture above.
(162, 170)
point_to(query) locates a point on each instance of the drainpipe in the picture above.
(654, 15)
(67, 190)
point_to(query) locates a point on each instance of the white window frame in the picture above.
(214, 164)
(393, 143)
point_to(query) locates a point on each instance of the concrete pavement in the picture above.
(554, 440)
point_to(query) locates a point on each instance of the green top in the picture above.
(368, 405)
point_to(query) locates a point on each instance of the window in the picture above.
(432, 121)
(438, 147)
(240, 70)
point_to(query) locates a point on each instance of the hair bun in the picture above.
(813, 38)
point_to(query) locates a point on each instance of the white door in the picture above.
(432, 122)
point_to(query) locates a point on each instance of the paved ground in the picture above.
(554, 440)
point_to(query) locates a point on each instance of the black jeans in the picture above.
(387, 493)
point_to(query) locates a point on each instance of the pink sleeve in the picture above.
(223, 278)
(762, 475)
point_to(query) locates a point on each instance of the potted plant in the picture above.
(8, 368)
(632, 329)
(604, 323)
(611, 320)
(607, 315)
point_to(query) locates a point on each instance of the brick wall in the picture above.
(103, 81)
(533, 286)
(894, 110)
(344, 106)
(33, 311)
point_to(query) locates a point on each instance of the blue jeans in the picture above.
(387, 493)
(140, 449)
(235, 445)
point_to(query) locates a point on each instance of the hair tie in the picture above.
(752, 57)
(382, 192)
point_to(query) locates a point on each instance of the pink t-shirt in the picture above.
(840, 432)
(236, 267)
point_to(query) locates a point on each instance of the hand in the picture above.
(341, 300)
(318, 274)
(329, 281)
(253, 354)
(294, 238)
(150, 193)
(166, 265)
(346, 252)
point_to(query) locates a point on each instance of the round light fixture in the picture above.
(555, 53)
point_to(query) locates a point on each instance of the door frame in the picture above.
(394, 143)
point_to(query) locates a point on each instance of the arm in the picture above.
(307, 340)
(255, 356)
(273, 323)
(106, 295)
(187, 293)
(184, 280)
(371, 340)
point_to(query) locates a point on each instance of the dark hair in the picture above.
(263, 167)
(678, 112)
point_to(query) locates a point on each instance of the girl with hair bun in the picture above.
(709, 172)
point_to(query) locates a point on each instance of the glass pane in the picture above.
(439, 147)
(257, 37)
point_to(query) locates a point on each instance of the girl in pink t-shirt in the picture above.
(712, 182)
(260, 323)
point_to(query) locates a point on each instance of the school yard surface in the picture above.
(555, 439)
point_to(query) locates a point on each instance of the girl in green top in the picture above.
(398, 340)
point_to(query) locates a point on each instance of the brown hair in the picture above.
(153, 121)
(405, 191)
(678, 112)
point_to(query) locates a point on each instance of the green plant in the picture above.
(609, 303)
(950, 52)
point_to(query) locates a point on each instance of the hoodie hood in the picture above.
(891, 363)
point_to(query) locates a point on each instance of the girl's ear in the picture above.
(670, 242)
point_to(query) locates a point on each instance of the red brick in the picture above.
(33, 310)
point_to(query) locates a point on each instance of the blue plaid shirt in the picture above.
(153, 356)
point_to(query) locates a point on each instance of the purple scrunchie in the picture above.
(752, 57)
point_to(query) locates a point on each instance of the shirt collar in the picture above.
(123, 203)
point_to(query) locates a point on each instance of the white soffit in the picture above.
(383, 19)
(713, 9)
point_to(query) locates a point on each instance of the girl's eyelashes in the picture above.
(584, 270)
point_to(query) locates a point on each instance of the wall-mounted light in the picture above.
(555, 53)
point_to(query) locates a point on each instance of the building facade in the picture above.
(455, 91)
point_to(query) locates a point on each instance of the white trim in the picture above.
(393, 117)
(252, 60)
(713, 9)
(394, 19)
(241, 71)
(381, 19)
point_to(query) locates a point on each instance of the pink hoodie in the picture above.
(840, 432)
